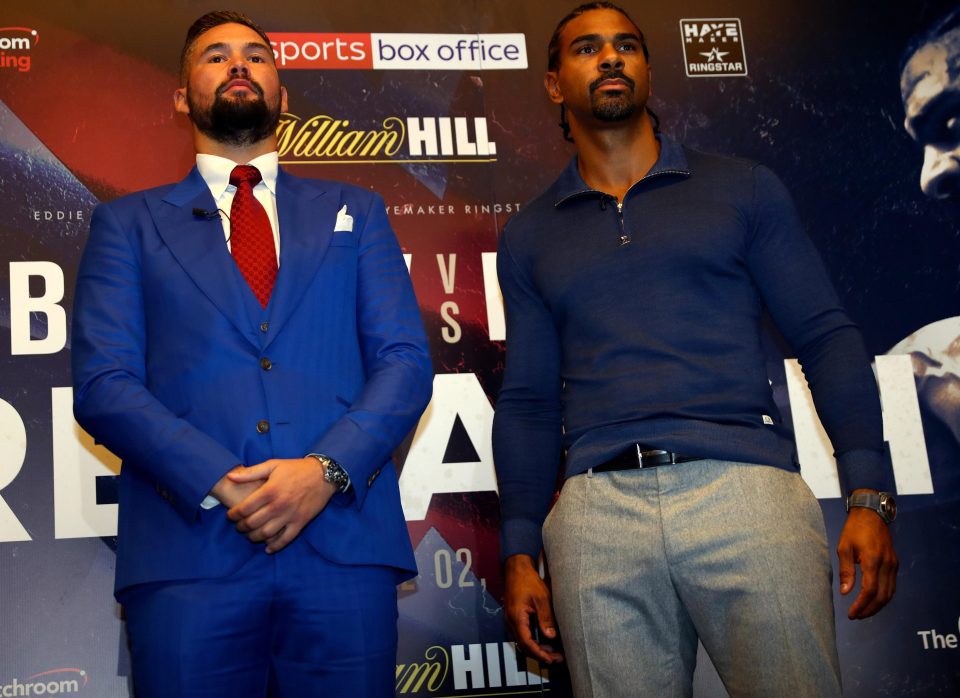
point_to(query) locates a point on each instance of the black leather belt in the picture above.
(640, 456)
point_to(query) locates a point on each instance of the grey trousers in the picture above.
(645, 562)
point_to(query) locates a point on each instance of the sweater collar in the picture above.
(672, 160)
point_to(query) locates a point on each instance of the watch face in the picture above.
(888, 505)
(336, 475)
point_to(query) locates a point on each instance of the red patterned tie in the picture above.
(251, 238)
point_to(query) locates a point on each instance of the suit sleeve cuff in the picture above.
(358, 454)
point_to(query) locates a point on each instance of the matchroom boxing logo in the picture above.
(15, 46)
(314, 51)
(47, 683)
(713, 48)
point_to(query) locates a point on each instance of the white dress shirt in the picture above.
(216, 170)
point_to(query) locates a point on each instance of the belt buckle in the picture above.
(651, 453)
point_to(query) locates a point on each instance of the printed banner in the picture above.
(441, 109)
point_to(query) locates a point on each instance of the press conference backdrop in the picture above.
(439, 106)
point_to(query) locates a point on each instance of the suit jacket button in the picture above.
(263, 426)
(264, 326)
(266, 364)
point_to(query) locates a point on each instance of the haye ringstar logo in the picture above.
(713, 47)
(15, 46)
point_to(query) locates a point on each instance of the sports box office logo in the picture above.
(312, 51)
(325, 139)
(713, 48)
(15, 46)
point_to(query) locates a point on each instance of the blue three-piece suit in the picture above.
(181, 373)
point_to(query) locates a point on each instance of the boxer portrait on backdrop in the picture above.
(249, 344)
(930, 88)
(634, 290)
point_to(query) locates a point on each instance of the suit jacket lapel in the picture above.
(306, 216)
(198, 245)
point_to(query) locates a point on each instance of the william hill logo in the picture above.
(326, 139)
(491, 665)
(713, 47)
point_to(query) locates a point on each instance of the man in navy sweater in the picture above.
(634, 289)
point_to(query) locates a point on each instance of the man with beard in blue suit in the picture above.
(249, 344)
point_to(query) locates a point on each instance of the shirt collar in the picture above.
(672, 160)
(216, 170)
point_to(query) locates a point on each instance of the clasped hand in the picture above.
(273, 501)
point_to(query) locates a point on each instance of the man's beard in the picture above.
(617, 107)
(237, 122)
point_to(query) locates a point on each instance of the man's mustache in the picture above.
(253, 84)
(612, 75)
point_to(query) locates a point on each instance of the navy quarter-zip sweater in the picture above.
(640, 322)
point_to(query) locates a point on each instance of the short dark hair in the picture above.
(553, 54)
(208, 22)
(937, 31)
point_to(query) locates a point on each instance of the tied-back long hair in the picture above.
(553, 55)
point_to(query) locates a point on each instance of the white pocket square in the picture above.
(344, 221)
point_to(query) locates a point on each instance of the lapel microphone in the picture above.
(209, 215)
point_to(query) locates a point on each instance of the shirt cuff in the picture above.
(209, 502)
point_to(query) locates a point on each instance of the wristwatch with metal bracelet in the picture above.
(333, 472)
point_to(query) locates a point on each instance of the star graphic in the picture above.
(715, 55)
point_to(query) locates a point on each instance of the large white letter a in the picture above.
(451, 450)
